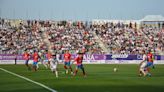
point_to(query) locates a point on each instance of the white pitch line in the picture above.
(22, 77)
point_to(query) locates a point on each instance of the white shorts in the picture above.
(143, 65)
(53, 66)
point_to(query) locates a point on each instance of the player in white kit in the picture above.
(143, 64)
(53, 65)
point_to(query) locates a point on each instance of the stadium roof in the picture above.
(153, 18)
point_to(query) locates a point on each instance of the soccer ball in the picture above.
(115, 69)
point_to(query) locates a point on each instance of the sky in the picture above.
(80, 9)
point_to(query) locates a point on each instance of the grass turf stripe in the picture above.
(22, 77)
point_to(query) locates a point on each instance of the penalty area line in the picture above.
(29, 80)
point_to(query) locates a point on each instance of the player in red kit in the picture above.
(35, 60)
(47, 56)
(150, 60)
(26, 57)
(79, 61)
(67, 60)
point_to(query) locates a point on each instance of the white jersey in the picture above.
(144, 58)
(143, 65)
(53, 65)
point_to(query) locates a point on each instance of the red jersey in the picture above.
(26, 56)
(48, 56)
(79, 60)
(67, 57)
(150, 57)
(35, 57)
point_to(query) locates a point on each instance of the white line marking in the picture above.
(42, 85)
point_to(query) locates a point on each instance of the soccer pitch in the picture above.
(100, 78)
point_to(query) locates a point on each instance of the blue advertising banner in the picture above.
(123, 57)
(91, 57)
(129, 57)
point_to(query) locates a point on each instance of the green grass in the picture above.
(100, 78)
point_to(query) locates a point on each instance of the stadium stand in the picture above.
(116, 38)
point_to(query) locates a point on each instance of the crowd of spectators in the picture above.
(14, 40)
(128, 39)
(74, 36)
(156, 37)
(28, 35)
